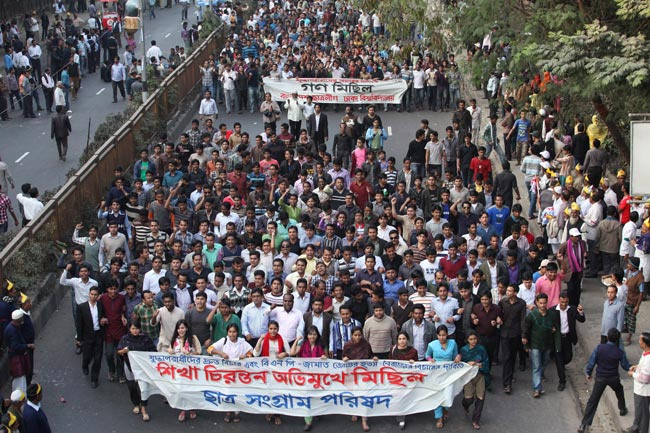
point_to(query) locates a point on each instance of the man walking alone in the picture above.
(60, 130)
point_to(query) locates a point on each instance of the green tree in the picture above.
(599, 51)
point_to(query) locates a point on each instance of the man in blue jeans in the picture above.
(541, 335)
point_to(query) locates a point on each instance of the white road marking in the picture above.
(390, 130)
(167, 35)
(22, 157)
(100, 90)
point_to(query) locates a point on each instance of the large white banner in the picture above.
(299, 387)
(337, 90)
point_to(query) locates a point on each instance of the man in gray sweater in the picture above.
(380, 331)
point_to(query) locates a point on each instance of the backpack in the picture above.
(552, 228)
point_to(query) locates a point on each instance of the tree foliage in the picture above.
(598, 49)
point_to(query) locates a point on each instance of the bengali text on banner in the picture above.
(337, 90)
(298, 386)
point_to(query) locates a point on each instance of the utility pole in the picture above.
(145, 92)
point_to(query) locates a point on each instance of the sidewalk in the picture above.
(593, 296)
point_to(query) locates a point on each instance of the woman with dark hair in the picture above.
(403, 352)
(474, 391)
(135, 341)
(185, 343)
(442, 349)
(232, 346)
(311, 347)
(272, 345)
(358, 348)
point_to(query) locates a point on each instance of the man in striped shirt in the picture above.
(341, 331)
(422, 296)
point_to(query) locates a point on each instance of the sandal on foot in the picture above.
(145, 417)
(278, 420)
(236, 418)
(226, 419)
(269, 418)
(476, 426)
(136, 409)
(440, 423)
(365, 427)
(354, 418)
(192, 414)
(181, 416)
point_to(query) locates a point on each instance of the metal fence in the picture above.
(89, 183)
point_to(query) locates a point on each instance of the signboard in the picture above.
(639, 150)
(337, 90)
(299, 386)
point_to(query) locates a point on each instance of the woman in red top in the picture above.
(272, 345)
(403, 352)
(312, 347)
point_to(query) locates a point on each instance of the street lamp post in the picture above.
(134, 18)
(145, 92)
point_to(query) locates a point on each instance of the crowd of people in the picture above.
(232, 246)
(46, 57)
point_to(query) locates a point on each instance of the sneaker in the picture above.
(507, 389)
(402, 425)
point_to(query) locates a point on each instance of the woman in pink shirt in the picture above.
(312, 347)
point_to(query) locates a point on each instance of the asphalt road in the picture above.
(72, 406)
(25, 144)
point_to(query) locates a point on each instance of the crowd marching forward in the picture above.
(295, 243)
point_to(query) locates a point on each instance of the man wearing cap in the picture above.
(634, 283)
(34, 419)
(573, 253)
(17, 351)
(618, 186)
(16, 408)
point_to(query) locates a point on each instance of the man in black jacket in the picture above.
(60, 130)
(90, 333)
(568, 335)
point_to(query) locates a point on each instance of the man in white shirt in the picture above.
(152, 277)
(154, 51)
(294, 109)
(301, 298)
(208, 109)
(32, 206)
(419, 78)
(291, 321)
(475, 111)
(626, 249)
(228, 77)
(35, 53)
(118, 77)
